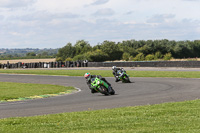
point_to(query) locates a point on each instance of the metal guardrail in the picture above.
(188, 64)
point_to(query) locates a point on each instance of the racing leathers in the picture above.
(94, 76)
(115, 73)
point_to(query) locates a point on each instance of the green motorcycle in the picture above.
(101, 86)
(123, 76)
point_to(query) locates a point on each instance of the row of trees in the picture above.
(27, 53)
(130, 50)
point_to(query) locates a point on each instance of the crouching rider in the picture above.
(88, 78)
(116, 74)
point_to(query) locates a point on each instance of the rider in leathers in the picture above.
(115, 69)
(88, 78)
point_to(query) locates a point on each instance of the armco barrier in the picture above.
(189, 64)
(59, 64)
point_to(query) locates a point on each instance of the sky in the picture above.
(54, 23)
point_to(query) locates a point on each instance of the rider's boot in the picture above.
(109, 89)
(117, 80)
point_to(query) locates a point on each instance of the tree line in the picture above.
(130, 50)
(28, 53)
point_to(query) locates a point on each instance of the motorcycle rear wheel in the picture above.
(103, 90)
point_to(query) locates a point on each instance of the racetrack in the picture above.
(142, 91)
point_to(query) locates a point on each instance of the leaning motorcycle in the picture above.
(101, 86)
(123, 76)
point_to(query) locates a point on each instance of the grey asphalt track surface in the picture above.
(142, 91)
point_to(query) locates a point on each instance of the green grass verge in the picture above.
(11, 90)
(182, 117)
(108, 73)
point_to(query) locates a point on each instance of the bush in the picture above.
(139, 57)
(149, 57)
(158, 55)
(69, 59)
(167, 56)
(126, 56)
(131, 58)
(59, 59)
(79, 57)
(97, 56)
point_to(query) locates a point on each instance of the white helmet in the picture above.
(113, 67)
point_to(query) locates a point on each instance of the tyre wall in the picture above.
(59, 64)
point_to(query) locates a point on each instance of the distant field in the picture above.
(54, 59)
(27, 60)
(187, 59)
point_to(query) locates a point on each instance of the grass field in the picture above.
(108, 73)
(11, 91)
(180, 117)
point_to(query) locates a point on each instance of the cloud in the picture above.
(160, 18)
(53, 23)
(100, 2)
(190, 0)
(46, 16)
(54, 36)
(1, 17)
(15, 3)
(104, 12)
(129, 12)
(176, 30)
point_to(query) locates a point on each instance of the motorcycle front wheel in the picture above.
(127, 80)
(112, 91)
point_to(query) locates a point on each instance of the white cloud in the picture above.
(1, 17)
(104, 12)
(15, 3)
(53, 23)
(100, 2)
(15, 34)
(55, 6)
(160, 18)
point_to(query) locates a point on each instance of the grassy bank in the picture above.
(108, 73)
(183, 117)
(10, 91)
